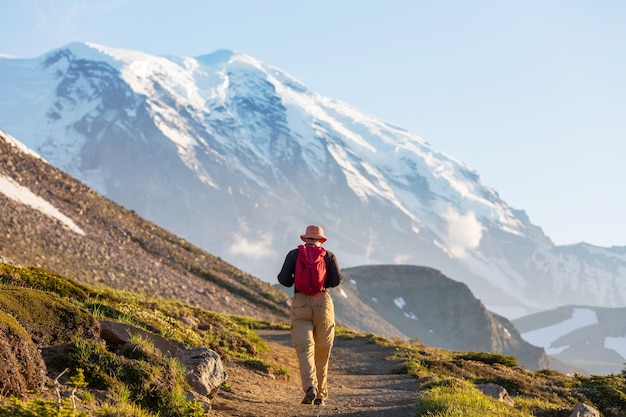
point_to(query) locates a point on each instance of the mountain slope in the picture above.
(238, 157)
(51, 220)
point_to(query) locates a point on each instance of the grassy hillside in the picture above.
(450, 381)
(44, 312)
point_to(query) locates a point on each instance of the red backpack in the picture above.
(310, 275)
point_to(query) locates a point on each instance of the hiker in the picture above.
(312, 270)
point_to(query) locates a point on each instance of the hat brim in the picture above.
(317, 237)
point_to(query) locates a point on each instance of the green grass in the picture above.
(448, 378)
(53, 310)
(460, 398)
(15, 407)
(489, 358)
(346, 333)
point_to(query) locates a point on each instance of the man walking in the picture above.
(313, 270)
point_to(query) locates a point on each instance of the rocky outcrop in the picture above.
(119, 334)
(203, 367)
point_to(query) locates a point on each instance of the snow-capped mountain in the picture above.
(238, 157)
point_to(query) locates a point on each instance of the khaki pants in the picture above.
(312, 334)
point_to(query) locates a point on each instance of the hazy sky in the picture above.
(531, 93)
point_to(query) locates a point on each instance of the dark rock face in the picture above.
(422, 303)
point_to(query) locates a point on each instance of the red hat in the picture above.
(314, 232)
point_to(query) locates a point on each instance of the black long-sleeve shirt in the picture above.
(333, 272)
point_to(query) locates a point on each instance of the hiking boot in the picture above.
(309, 396)
(318, 401)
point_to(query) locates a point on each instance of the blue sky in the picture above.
(531, 94)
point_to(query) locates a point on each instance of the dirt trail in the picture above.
(360, 383)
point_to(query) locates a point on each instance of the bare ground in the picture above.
(361, 382)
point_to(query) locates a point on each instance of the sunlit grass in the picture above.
(459, 398)
(15, 407)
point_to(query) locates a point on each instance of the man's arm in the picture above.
(285, 276)
(333, 272)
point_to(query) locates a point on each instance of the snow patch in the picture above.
(19, 145)
(411, 316)
(544, 337)
(617, 344)
(23, 195)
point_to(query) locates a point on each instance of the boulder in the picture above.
(203, 367)
(118, 334)
(496, 391)
(584, 410)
